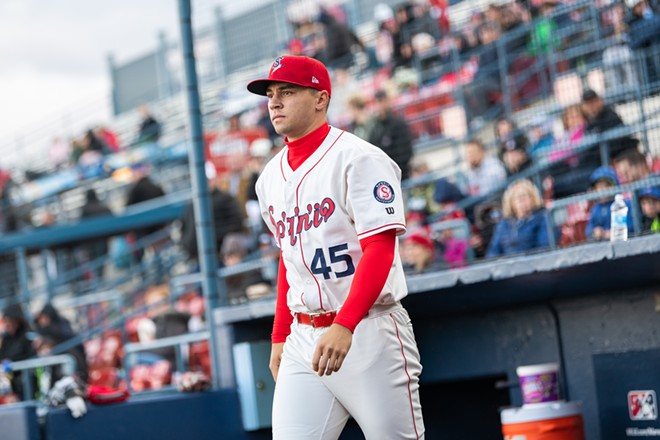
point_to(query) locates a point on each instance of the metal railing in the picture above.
(632, 188)
(67, 362)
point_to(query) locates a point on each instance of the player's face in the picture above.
(294, 110)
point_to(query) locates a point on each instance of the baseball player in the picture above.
(342, 344)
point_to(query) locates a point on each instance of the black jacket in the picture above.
(59, 330)
(606, 120)
(393, 136)
(227, 218)
(143, 190)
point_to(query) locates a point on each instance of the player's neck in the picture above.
(302, 148)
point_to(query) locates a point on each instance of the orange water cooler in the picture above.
(543, 421)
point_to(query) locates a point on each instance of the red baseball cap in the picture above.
(300, 70)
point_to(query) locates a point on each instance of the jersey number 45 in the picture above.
(338, 260)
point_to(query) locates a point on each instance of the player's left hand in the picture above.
(332, 349)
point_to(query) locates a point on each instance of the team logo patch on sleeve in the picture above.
(383, 192)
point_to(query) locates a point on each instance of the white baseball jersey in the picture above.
(345, 191)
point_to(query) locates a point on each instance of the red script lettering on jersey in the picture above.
(294, 225)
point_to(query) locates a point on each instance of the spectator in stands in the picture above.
(452, 248)
(92, 142)
(391, 133)
(649, 201)
(228, 217)
(149, 129)
(96, 247)
(167, 321)
(248, 284)
(618, 65)
(515, 157)
(420, 196)
(59, 153)
(358, 116)
(524, 226)
(53, 329)
(403, 55)
(440, 10)
(544, 38)
(446, 195)
(600, 119)
(507, 130)
(644, 32)
(598, 227)
(482, 91)
(419, 253)
(341, 42)
(9, 223)
(631, 166)
(423, 34)
(486, 218)
(471, 30)
(143, 189)
(485, 172)
(90, 161)
(540, 136)
(109, 138)
(388, 27)
(569, 174)
(15, 344)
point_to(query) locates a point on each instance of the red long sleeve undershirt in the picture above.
(371, 272)
(370, 277)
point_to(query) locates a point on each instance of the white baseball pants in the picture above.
(378, 383)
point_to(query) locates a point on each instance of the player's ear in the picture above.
(322, 100)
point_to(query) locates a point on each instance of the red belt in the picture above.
(323, 319)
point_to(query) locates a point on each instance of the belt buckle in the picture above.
(313, 316)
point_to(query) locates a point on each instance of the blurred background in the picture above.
(515, 124)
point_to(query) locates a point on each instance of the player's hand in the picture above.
(332, 349)
(276, 351)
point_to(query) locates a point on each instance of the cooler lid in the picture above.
(540, 411)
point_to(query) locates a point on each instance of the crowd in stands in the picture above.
(494, 202)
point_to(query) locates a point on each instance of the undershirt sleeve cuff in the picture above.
(370, 277)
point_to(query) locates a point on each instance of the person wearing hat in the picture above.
(649, 201)
(420, 252)
(342, 343)
(54, 329)
(14, 342)
(95, 247)
(598, 227)
(514, 156)
(601, 118)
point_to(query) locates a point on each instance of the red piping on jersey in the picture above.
(405, 367)
(302, 254)
(282, 166)
(382, 227)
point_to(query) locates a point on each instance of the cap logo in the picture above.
(276, 65)
(314, 80)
